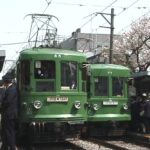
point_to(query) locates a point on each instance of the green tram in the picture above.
(108, 111)
(52, 87)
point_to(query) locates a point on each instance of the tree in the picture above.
(134, 46)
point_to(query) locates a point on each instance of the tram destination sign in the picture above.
(57, 99)
(110, 102)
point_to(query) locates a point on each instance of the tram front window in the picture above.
(44, 72)
(68, 75)
(101, 86)
(117, 86)
(44, 69)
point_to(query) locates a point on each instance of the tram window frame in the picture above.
(100, 90)
(68, 81)
(25, 74)
(84, 77)
(115, 89)
(41, 68)
(46, 79)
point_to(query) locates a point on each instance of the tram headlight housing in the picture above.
(37, 104)
(77, 104)
(95, 107)
(125, 106)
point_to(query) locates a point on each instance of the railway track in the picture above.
(121, 144)
(51, 146)
(93, 144)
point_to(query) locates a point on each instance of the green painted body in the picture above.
(111, 111)
(62, 111)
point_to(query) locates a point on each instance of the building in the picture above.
(91, 44)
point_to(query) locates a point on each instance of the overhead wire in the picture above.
(91, 5)
(125, 10)
(95, 14)
(48, 3)
(4, 44)
(134, 21)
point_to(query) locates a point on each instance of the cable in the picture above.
(95, 14)
(4, 44)
(124, 9)
(80, 5)
(48, 3)
(13, 43)
(134, 21)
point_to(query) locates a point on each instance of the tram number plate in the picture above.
(110, 103)
(57, 99)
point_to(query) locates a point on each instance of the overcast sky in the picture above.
(72, 14)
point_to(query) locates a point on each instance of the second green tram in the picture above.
(108, 111)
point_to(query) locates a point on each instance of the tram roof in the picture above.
(111, 69)
(109, 66)
(51, 51)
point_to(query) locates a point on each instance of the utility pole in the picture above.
(111, 23)
(111, 36)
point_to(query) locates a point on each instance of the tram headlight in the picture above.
(37, 104)
(77, 105)
(125, 106)
(95, 107)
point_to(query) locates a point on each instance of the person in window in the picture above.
(43, 73)
(73, 85)
(9, 115)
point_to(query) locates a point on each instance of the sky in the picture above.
(72, 14)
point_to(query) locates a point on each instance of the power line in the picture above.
(125, 8)
(75, 4)
(48, 3)
(135, 21)
(95, 14)
(18, 43)
(13, 43)
(88, 5)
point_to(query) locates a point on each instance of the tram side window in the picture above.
(44, 69)
(25, 74)
(101, 86)
(68, 75)
(117, 86)
(84, 77)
